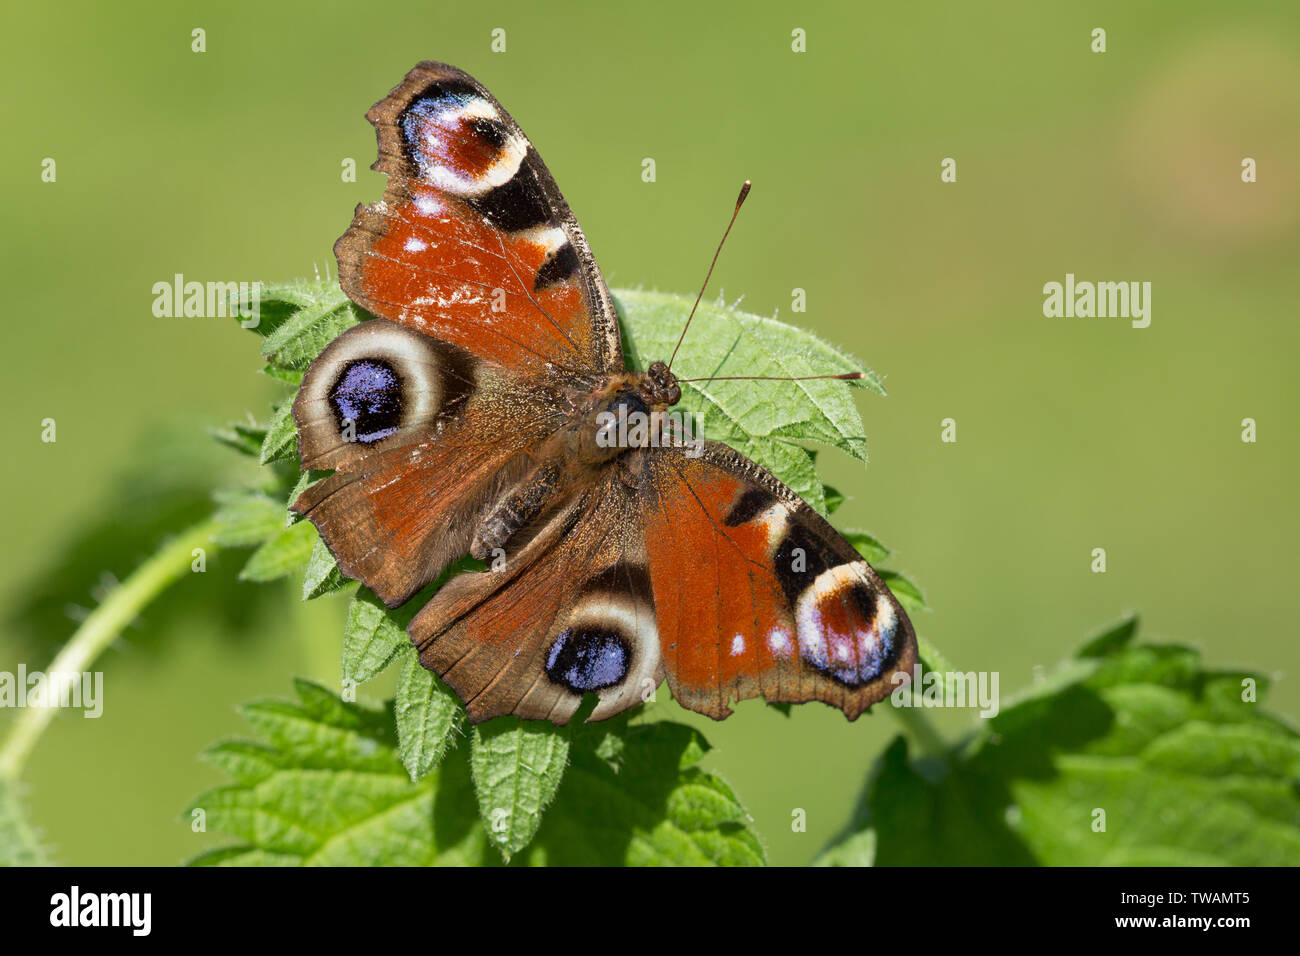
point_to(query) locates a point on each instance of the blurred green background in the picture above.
(1072, 433)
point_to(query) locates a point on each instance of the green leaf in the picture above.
(859, 849)
(1111, 639)
(374, 634)
(1185, 766)
(428, 716)
(518, 765)
(244, 438)
(931, 657)
(19, 843)
(305, 480)
(246, 518)
(872, 551)
(330, 790)
(907, 593)
(372, 637)
(314, 315)
(281, 439)
(762, 420)
(323, 574)
(328, 787)
(288, 376)
(633, 796)
(278, 302)
(289, 550)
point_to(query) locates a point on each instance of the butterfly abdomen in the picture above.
(528, 500)
(571, 457)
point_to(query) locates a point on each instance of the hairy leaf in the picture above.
(327, 787)
(518, 765)
(246, 518)
(1131, 754)
(281, 439)
(761, 419)
(428, 716)
(290, 549)
(372, 637)
(323, 575)
(305, 317)
(20, 844)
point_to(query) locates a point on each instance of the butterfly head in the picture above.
(659, 388)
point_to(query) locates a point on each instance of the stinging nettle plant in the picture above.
(1185, 765)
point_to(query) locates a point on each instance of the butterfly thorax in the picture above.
(616, 417)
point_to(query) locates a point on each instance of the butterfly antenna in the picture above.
(744, 191)
(843, 376)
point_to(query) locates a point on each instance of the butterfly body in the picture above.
(476, 415)
(576, 453)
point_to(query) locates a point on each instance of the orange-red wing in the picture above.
(422, 437)
(473, 243)
(757, 596)
(564, 614)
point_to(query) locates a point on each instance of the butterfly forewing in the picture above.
(473, 242)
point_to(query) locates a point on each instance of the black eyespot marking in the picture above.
(518, 204)
(586, 659)
(751, 504)
(800, 558)
(367, 394)
(491, 131)
(619, 579)
(558, 268)
(458, 379)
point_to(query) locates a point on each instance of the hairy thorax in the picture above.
(575, 453)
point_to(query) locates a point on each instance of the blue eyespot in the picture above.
(367, 394)
(586, 659)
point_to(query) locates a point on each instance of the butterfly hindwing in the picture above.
(565, 613)
(758, 596)
(707, 571)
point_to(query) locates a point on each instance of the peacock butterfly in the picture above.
(470, 416)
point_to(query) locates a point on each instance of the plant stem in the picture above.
(106, 622)
(923, 733)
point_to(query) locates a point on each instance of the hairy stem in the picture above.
(918, 727)
(99, 629)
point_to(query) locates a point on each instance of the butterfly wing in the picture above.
(705, 570)
(756, 595)
(567, 612)
(422, 437)
(492, 311)
(472, 242)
